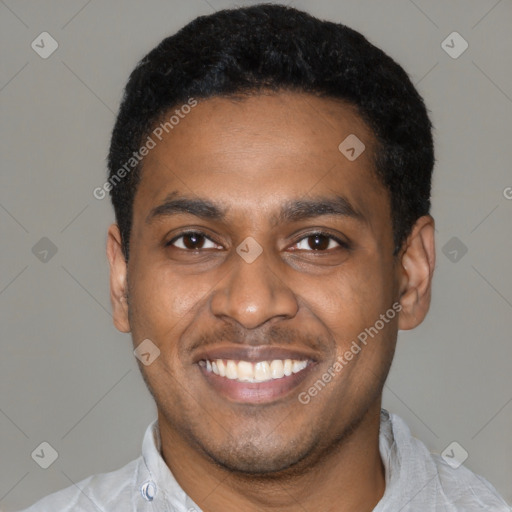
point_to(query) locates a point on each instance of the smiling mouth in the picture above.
(255, 382)
(254, 372)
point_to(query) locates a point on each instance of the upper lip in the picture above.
(253, 354)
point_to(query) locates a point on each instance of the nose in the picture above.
(253, 293)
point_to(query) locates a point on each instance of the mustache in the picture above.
(272, 336)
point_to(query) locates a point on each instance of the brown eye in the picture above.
(319, 242)
(192, 240)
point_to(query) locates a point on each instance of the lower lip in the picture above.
(255, 392)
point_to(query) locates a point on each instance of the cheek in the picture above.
(350, 301)
(161, 300)
(366, 332)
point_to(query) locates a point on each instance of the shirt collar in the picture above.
(157, 484)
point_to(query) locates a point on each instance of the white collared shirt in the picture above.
(416, 481)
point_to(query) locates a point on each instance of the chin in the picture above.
(252, 459)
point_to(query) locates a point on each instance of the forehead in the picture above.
(252, 154)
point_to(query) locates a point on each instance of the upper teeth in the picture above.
(261, 371)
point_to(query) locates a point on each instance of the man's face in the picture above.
(324, 275)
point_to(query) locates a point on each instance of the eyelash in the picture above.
(341, 243)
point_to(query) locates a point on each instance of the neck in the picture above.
(350, 475)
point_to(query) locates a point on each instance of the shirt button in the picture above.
(148, 490)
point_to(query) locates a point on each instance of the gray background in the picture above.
(69, 378)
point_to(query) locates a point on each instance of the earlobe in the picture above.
(417, 265)
(118, 281)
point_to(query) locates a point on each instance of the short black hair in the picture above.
(245, 51)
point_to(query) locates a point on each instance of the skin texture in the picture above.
(251, 156)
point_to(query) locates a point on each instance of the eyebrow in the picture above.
(291, 211)
(174, 205)
(302, 209)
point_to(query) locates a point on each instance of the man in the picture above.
(270, 175)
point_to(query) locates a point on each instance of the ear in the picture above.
(118, 283)
(417, 263)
